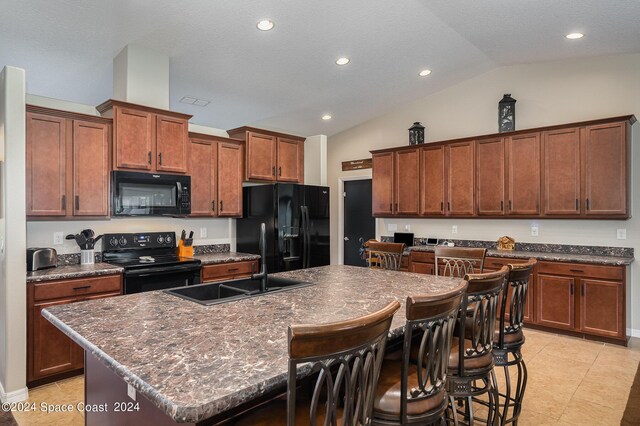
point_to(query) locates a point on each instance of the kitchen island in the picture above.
(189, 363)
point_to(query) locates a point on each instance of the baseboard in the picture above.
(15, 396)
(633, 332)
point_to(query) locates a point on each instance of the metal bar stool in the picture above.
(508, 339)
(385, 255)
(471, 359)
(346, 356)
(459, 261)
(414, 392)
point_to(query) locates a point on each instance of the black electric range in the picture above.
(150, 262)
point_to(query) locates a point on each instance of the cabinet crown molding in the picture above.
(244, 129)
(110, 103)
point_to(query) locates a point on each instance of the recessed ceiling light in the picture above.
(342, 61)
(265, 25)
(425, 73)
(326, 117)
(574, 36)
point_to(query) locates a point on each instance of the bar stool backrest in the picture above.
(515, 294)
(347, 356)
(386, 255)
(459, 261)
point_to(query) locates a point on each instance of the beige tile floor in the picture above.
(571, 382)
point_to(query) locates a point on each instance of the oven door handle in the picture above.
(146, 272)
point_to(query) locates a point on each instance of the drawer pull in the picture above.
(577, 270)
(496, 263)
(83, 287)
(233, 269)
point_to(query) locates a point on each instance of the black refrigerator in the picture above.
(297, 219)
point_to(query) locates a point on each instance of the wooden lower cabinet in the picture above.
(555, 301)
(226, 271)
(602, 306)
(50, 353)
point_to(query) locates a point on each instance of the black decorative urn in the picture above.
(416, 134)
(507, 114)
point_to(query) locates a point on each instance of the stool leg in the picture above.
(507, 393)
(494, 407)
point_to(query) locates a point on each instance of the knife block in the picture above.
(184, 251)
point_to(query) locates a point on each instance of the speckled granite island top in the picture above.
(227, 257)
(195, 361)
(73, 271)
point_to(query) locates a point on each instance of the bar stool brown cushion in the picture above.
(275, 413)
(509, 338)
(472, 363)
(388, 397)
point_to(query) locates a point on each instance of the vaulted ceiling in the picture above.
(286, 78)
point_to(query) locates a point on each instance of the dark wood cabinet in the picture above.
(50, 353)
(561, 172)
(407, 182)
(602, 304)
(67, 164)
(146, 138)
(46, 150)
(216, 170)
(91, 167)
(523, 175)
(382, 184)
(226, 271)
(606, 169)
(432, 181)
(555, 301)
(460, 166)
(490, 176)
(271, 156)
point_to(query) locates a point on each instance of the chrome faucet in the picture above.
(262, 276)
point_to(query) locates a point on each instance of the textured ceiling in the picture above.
(286, 79)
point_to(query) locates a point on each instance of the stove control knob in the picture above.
(160, 239)
(123, 241)
(168, 239)
(113, 241)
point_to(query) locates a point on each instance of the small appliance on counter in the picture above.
(86, 240)
(41, 258)
(404, 237)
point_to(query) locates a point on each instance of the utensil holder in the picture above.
(184, 251)
(87, 257)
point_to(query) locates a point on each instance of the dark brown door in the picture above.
(461, 179)
(555, 301)
(290, 160)
(202, 169)
(53, 351)
(261, 157)
(432, 181)
(172, 144)
(46, 165)
(229, 179)
(382, 184)
(407, 182)
(134, 143)
(90, 169)
(561, 172)
(601, 307)
(605, 174)
(523, 174)
(490, 163)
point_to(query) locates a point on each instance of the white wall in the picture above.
(315, 160)
(13, 293)
(547, 93)
(141, 76)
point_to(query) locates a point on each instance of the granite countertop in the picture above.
(553, 256)
(73, 271)
(227, 257)
(195, 361)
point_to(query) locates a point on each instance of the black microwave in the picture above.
(150, 194)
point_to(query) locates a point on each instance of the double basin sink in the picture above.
(228, 291)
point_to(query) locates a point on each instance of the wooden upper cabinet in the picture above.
(290, 155)
(523, 174)
(134, 147)
(432, 181)
(382, 184)
(460, 166)
(230, 179)
(561, 172)
(203, 166)
(606, 170)
(490, 175)
(407, 182)
(171, 144)
(261, 157)
(46, 165)
(91, 167)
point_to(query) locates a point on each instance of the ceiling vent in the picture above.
(194, 101)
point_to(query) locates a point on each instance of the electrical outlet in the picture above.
(392, 227)
(621, 234)
(407, 227)
(454, 229)
(58, 238)
(131, 392)
(534, 230)
(203, 232)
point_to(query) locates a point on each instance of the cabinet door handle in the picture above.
(82, 287)
(582, 289)
(396, 207)
(149, 157)
(77, 202)
(63, 202)
(441, 206)
(390, 207)
(160, 158)
(232, 269)
(580, 271)
(220, 205)
(587, 204)
(577, 205)
(501, 205)
(273, 170)
(213, 204)
(280, 171)
(448, 206)
(509, 205)
(572, 289)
